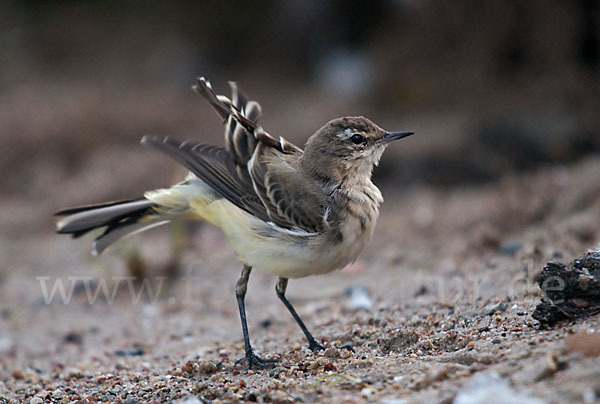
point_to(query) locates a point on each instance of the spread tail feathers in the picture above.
(119, 218)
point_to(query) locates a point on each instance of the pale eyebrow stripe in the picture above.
(346, 133)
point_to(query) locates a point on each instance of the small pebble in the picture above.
(207, 367)
(345, 354)
(332, 352)
(366, 392)
(130, 352)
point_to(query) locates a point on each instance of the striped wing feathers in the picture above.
(255, 171)
(246, 114)
(215, 166)
(287, 195)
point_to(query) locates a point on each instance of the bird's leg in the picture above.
(240, 293)
(280, 288)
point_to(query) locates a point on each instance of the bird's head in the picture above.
(349, 145)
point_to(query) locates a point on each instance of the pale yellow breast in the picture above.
(358, 220)
(272, 249)
(287, 253)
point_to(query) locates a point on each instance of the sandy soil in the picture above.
(437, 310)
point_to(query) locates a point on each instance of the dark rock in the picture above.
(266, 323)
(130, 352)
(569, 291)
(73, 338)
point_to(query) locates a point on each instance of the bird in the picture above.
(286, 211)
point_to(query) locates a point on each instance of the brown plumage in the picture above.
(286, 211)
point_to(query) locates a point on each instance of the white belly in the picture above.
(265, 246)
(288, 253)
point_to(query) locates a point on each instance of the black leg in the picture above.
(240, 293)
(280, 288)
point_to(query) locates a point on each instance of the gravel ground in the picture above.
(437, 310)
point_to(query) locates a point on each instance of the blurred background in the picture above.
(504, 98)
(492, 89)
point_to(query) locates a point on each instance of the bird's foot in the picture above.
(315, 346)
(253, 360)
(347, 347)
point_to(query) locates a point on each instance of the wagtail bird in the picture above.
(286, 211)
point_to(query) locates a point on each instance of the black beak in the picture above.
(389, 136)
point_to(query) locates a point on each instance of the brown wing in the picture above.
(215, 166)
(241, 117)
(276, 192)
(288, 195)
(238, 140)
(255, 171)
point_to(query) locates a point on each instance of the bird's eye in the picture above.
(357, 139)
